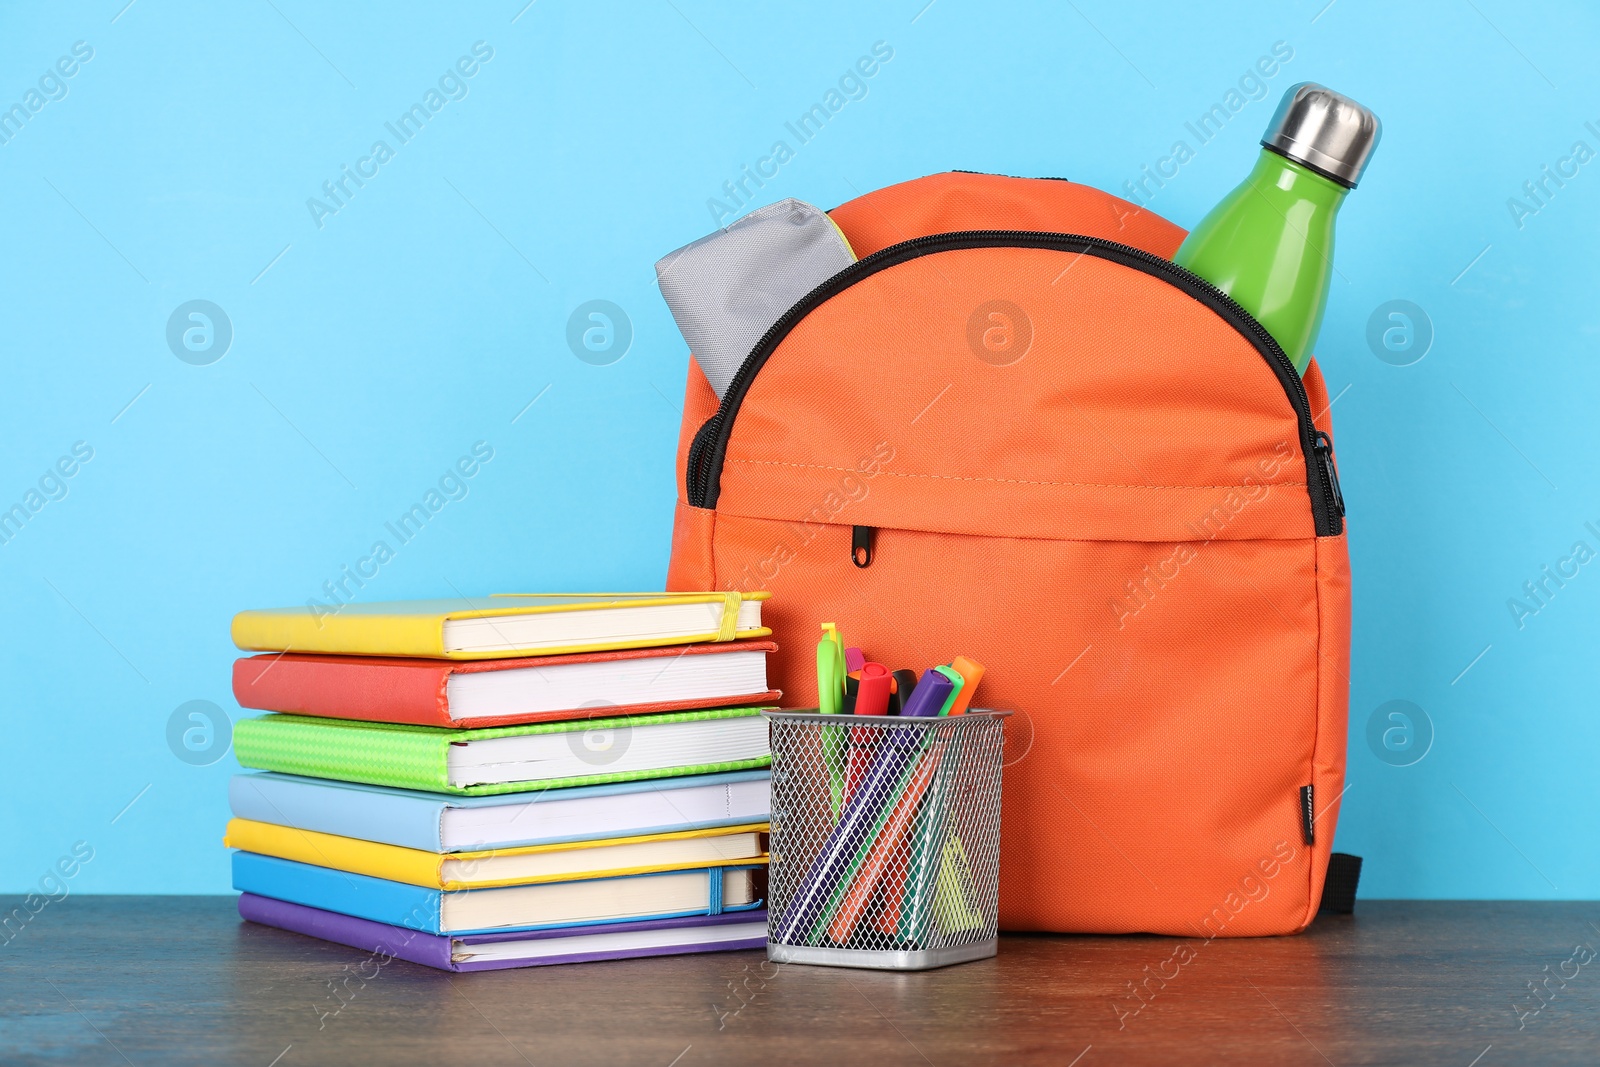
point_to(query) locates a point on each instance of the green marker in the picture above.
(830, 701)
(1269, 243)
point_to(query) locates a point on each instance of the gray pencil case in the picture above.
(726, 289)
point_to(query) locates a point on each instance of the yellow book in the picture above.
(503, 625)
(529, 865)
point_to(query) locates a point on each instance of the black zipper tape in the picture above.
(1325, 453)
(710, 446)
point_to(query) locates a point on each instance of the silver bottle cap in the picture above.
(1324, 130)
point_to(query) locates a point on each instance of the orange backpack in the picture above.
(1015, 430)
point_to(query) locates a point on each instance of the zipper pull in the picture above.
(1324, 450)
(861, 542)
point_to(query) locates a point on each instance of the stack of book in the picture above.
(507, 781)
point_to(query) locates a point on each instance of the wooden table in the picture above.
(170, 980)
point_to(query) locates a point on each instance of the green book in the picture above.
(508, 759)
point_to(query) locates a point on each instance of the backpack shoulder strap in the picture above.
(1339, 889)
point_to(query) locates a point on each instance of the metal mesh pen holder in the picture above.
(885, 839)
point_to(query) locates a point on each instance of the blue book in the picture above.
(437, 822)
(586, 902)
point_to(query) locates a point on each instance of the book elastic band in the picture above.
(730, 616)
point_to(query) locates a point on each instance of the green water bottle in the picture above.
(1269, 243)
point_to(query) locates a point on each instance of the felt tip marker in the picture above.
(905, 682)
(929, 696)
(971, 672)
(957, 683)
(872, 698)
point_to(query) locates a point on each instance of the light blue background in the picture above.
(427, 314)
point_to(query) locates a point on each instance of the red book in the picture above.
(507, 692)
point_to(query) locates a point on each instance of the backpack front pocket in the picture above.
(916, 285)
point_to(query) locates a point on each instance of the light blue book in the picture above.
(436, 822)
(586, 902)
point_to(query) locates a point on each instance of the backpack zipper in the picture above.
(863, 540)
(703, 473)
(1325, 453)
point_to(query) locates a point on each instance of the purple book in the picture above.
(525, 948)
